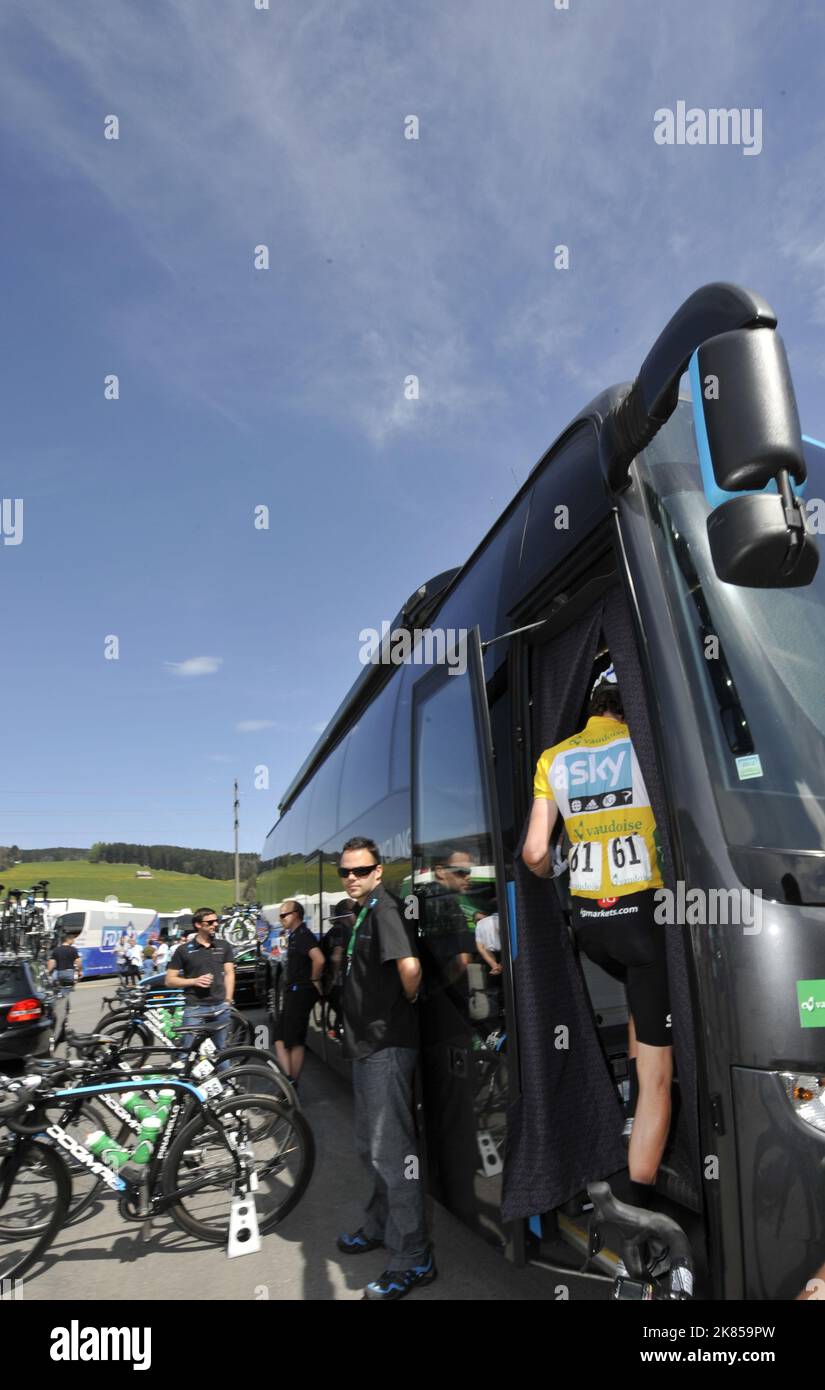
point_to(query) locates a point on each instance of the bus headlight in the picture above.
(807, 1096)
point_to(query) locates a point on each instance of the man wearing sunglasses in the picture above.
(449, 917)
(304, 967)
(381, 1036)
(204, 967)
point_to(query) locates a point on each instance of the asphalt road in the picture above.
(103, 1258)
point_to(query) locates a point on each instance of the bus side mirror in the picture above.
(750, 450)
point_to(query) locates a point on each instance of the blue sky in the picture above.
(286, 387)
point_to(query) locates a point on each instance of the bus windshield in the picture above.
(754, 658)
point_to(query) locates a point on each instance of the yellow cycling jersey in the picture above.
(595, 780)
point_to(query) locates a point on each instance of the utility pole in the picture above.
(237, 856)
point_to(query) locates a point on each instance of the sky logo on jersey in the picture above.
(594, 780)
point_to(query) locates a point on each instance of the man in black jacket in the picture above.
(381, 1037)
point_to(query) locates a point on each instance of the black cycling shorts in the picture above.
(621, 936)
(299, 1001)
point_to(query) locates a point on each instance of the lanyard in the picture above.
(361, 915)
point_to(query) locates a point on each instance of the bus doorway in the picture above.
(568, 1125)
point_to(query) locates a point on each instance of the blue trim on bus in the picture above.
(511, 918)
(534, 1224)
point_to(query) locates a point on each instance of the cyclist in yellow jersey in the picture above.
(593, 780)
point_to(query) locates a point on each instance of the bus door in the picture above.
(460, 898)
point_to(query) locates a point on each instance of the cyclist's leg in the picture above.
(652, 1123)
(649, 1002)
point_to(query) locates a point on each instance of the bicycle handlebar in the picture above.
(635, 1226)
(15, 1100)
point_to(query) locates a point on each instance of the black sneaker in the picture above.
(358, 1243)
(397, 1283)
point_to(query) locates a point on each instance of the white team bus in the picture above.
(101, 926)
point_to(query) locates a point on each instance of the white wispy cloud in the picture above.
(195, 666)
(252, 726)
(391, 257)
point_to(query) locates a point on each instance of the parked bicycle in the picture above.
(227, 1167)
(142, 1015)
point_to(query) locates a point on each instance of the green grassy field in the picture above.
(164, 891)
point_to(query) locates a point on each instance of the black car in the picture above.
(254, 977)
(31, 1012)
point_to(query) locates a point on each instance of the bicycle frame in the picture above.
(149, 1176)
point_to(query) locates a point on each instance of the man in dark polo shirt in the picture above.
(303, 970)
(65, 962)
(381, 1037)
(204, 967)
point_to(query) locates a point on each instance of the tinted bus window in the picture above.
(400, 753)
(453, 855)
(323, 810)
(367, 762)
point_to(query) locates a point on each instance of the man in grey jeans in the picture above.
(381, 1036)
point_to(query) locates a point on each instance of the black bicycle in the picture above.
(240, 1070)
(225, 1168)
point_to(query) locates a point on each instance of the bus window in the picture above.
(453, 874)
(323, 810)
(365, 778)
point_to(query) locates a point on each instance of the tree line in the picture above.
(10, 854)
(209, 863)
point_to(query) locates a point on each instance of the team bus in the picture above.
(101, 926)
(671, 529)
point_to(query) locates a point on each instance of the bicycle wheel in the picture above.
(240, 1030)
(245, 1080)
(201, 1170)
(246, 1055)
(35, 1188)
(125, 1029)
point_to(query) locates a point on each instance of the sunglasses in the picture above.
(213, 922)
(463, 873)
(358, 871)
(283, 915)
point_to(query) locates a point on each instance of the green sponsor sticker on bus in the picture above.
(810, 995)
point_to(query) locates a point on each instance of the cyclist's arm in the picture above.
(536, 851)
(229, 980)
(50, 965)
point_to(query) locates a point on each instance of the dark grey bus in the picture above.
(671, 529)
